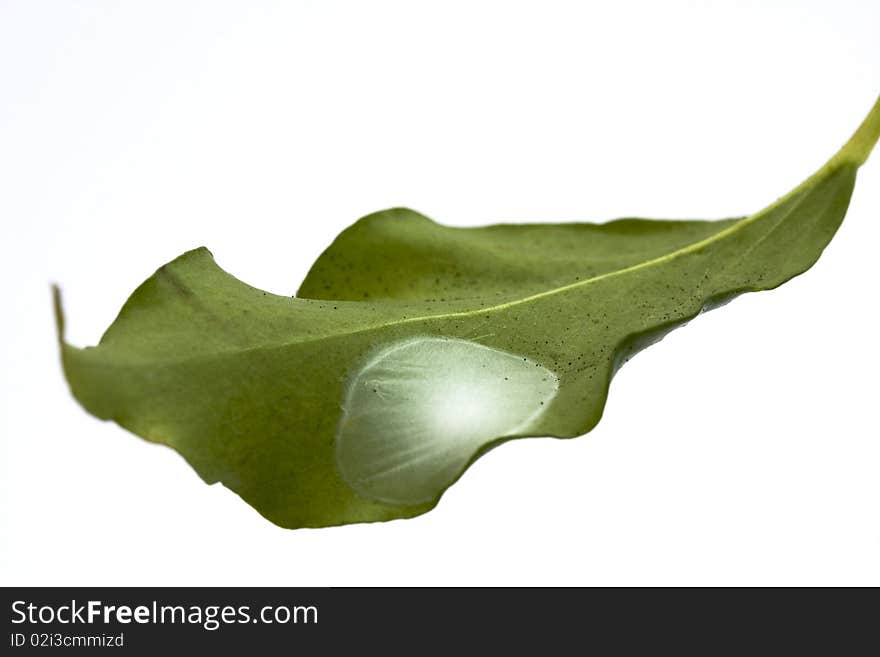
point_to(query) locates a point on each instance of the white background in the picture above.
(743, 449)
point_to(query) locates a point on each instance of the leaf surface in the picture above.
(412, 347)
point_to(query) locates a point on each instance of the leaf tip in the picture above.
(58, 309)
(198, 252)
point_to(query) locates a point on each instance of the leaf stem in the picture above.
(859, 146)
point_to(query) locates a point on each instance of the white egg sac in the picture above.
(420, 409)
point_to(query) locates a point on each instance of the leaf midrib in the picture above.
(690, 248)
(672, 255)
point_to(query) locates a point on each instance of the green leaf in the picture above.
(413, 348)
